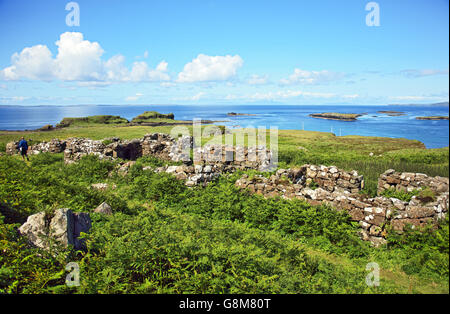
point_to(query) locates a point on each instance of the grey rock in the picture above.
(63, 229)
(103, 208)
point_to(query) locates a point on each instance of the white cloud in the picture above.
(354, 96)
(141, 72)
(13, 99)
(134, 98)
(198, 96)
(167, 84)
(258, 80)
(31, 63)
(413, 73)
(195, 97)
(114, 68)
(311, 77)
(78, 60)
(210, 68)
(413, 98)
(286, 94)
(94, 84)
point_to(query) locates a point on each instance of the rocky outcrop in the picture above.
(62, 229)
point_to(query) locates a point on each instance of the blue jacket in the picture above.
(23, 144)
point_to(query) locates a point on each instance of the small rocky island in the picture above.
(392, 113)
(148, 118)
(336, 116)
(433, 118)
(233, 114)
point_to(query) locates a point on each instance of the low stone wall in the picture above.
(239, 157)
(158, 144)
(193, 175)
(294, 182)
(408, 182)
(339, 189)
(54, 146)
(11, 148)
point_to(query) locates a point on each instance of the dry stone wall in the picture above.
(157, 144)
(408, 182)
(339, 189)
(235, 157)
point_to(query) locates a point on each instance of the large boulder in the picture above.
(63, 228)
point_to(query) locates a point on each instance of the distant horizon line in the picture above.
(437, 104)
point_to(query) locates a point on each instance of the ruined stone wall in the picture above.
(54, 146)
(339, 189)
(159, 145)
(234, 157)
(408, 182)
(11, 148)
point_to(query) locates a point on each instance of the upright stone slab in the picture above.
(63, 229)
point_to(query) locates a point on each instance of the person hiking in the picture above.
(23, 148)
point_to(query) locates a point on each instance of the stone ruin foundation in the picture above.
(340, 189)
(314, 184)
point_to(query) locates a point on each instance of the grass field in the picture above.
(370, 156)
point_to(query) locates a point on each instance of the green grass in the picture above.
(166, 238)
(102, 119)
(151, 116)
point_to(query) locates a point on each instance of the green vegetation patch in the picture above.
(101, 119)
(166, 238)
(151, 116)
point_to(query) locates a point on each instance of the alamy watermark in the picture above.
(373, 17)
(73, 18)
(73, 277)
(373, 278)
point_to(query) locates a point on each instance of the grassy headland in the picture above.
(102, 119)
(152, 116)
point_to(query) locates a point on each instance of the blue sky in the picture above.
(223, 52)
